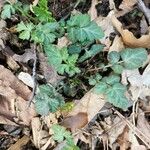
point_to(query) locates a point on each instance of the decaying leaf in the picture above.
(14, 83)
(48, 71)
(106, 25)
(92, 11)
(128, 38)
(86, 109)
(63, 42)
(117, 44)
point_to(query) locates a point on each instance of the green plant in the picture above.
(48, 100)
(60, 134)
(113, 90)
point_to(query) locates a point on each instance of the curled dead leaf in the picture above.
(128, 38)
(75, 122)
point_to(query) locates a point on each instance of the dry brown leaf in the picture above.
(63, 42)
(127, 5)
(40, 136)
(14, 83)
(20, 143)
(49, 72)
(92, 11)
(128, 38)
(106, 25)
(88, 107)
(117, 44)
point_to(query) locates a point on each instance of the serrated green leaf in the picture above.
(134, 58)
(7, 11)
(112, 79)
(118, 69)
(74, 49)
(116, 96)
(95, 49)
(60, 133)
(41, 104)
(100, 88)
(54, 56)
(42, 12)
(113, 57)
(45, 33)
(80, 28)
(47, 100)
(25, 30)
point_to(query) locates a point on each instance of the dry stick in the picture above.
(144, 9)
(135, 130)
(33, 76)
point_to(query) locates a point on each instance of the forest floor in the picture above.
(75, 75)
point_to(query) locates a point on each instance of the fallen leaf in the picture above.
(92, 11)
(63, 42)
(14, 83)
(127, 5)
(26, 79)
(106, 25)
(20, 143)
(49, 72)
(144, 26)
(87, 108)
(117, 44)
(128, 38)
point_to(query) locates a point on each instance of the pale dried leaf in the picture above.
(26, 79)
(92, 11)
(144, 26)
(127, 5)
(20, 143)
(13, 82)
(128, 38)
(63, 42)
(106, 25)
(86, 109)
(117, 44)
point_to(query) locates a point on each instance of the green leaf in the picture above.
(118, 69)
(113, 57)
(134, 58)
(7, 11)
(54, 56)
(112, 79)
(100, 88)
(45, 33)
(25, 30)
(81, 29)
(42, 12)
(116, 96)
(74, 49)
(47, 100)
(95, 49)
(60, 133)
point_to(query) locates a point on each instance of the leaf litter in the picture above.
(114, 128)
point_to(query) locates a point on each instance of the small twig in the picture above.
(33, 76)
(144, 9)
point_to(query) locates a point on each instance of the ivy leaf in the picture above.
(116, 96)
(25, 30)
(134, 58)
(112, 79)
(95, 49)
(113, 57)
(47, 102)
(100, 88)
(81, 29)
(7, 11)
(118, 69)
(60, 133)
